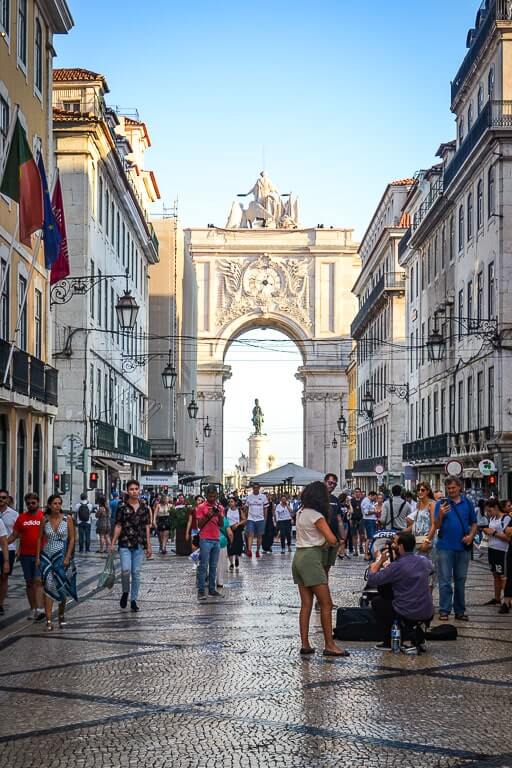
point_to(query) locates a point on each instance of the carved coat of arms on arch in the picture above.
(265, 284)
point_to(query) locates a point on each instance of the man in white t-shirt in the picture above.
(256, 505)
(8, 517)
(369, 520)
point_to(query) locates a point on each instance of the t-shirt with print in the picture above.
(256, 503)
(282, 513)
(9, 517)
(421, 521)
(498, 524)
(27, 526)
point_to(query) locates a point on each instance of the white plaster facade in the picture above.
(103, 391)
(296, 281)
(459, 266)
(379, 332)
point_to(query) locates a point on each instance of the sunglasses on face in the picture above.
(331, 482)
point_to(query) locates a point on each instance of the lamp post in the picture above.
(169, 374)
(436, 346)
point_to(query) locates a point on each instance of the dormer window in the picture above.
(470, 117)
(480, 101)
(490, 83)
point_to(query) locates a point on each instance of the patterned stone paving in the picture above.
(221, 684)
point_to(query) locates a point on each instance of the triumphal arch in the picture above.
(264, 270)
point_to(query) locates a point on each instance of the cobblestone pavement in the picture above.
(221, 683)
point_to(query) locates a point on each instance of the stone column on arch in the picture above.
(210, 399)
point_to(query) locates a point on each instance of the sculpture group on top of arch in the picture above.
(269, 209)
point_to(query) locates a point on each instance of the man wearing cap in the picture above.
(256, 505)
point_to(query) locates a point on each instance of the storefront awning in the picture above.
(117, 466)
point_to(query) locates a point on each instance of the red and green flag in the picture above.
(21, 182)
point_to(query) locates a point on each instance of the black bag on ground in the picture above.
(442, 632)
(357, 624)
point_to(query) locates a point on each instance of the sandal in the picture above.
(49, 625)
(306, 651)
(336, 654)
(443, 617)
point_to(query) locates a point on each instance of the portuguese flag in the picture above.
(21, 182)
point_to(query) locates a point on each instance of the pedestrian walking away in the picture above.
(54, 556)
(132, 531)
(103, 525)
(283, 523)
(456, 526)
(308, 567)
(369, 520)
(357, 529)
(256, 505)
(210, 520)
(26, 529)
(8, 516)
(237, 520)
(395, 511)
(83, 511)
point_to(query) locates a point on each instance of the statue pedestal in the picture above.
(258, 454)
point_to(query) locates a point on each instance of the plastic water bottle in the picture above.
(396, 637)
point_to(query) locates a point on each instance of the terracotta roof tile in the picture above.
(65, 74)
(403, 182)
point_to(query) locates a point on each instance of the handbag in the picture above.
(108, 575)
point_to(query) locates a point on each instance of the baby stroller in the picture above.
(381, 540)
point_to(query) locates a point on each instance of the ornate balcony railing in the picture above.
(123, 441)
(490, 11)
(141, 448)
(436, 191)
(437, 447)
(28, 375)
(391, 281)
(104, 436)
(51, 385)
(107, 438)
(495, 114)
(37, 379)
(368, 465)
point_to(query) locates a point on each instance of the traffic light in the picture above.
(93, 480)
(56, 482)
(64, 482)
(492, 481)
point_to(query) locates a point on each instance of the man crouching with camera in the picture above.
(403, 581)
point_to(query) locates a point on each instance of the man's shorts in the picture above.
(497, 561)
(255, 527)
(370, 527)
(308, 567)
(12, 557)
(30, 571)
(357, 526)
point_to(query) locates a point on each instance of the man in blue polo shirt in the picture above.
(456, 525)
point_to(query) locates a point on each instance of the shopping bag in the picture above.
(108, 575)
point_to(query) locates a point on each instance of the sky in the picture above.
(335, 98)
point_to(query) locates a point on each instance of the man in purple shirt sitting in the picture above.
(408, 595)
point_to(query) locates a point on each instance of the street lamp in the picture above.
(368, 401)
(127, 310)
(436, 346)
(342, 422)
(169, 374)
(334, 441)
(192, 407)
(207, 430)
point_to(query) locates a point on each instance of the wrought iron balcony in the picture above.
(28, 375)
(37, 379)
(390, 282)
(434, 448)
(436, 191)
(495, 115)
(123, 441)
(51, 385)
(489, 13)
(104, 436)
(141, 448)
(20, 372)
(368, 465)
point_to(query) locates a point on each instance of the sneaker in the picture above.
(382, 647)
(40, 615)
(231, 567)
(201, 595)
(134, 607)
(215, 594)
(124, 600)
(258, 553)
(249, 553)
(504, 608)
(283, 551)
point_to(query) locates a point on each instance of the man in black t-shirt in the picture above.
(357, 530)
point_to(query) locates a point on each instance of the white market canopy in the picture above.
(291, 474)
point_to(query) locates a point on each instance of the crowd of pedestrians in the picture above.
(446, 529)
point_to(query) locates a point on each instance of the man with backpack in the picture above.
(83, 512)
(395, 511)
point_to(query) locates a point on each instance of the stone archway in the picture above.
(295, 281)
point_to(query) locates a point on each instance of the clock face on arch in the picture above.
(264, 282)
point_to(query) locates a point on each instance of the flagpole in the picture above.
(35, 252)
(11, 249)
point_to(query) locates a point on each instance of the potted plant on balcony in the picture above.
(179, 519)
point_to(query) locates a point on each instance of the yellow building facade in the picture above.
(28, 383)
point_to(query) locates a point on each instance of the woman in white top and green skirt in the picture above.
(309, 565)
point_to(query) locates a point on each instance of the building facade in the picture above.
(173, 323)
(379, 332)
(103, 369)
(458, 259)
(28, 383)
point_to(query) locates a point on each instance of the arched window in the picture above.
(461, 227)
(21, 453)
(480, 99)
(491, 192)
(38, 56)
(490, 83)
(4, 450)
(480, 204)
(37, 447)
(470, 215)
(470, 117)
